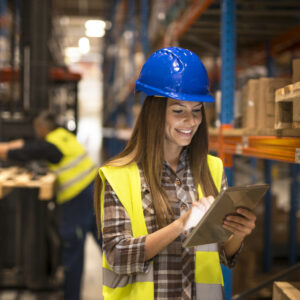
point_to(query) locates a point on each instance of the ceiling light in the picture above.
(128, 34)
(72, 54)
(84, 45)
(97, 32)
(161, 16)
(95, 28)
(95, 24)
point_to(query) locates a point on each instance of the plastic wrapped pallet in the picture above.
(265, 106)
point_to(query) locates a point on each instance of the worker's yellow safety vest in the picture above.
(75, 171)
(125, 181)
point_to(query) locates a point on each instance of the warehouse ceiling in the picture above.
(257, 22)
(70, 19)
(84, 8)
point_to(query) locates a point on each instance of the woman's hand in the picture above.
(242, 224)
(202, 205)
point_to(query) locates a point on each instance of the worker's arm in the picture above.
(240, 225)
(7, 146)
(124, 253)
(16, 144)
(32, 150)
(158, 240)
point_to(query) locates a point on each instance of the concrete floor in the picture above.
(92, 278)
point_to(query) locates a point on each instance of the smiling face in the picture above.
(182, 121)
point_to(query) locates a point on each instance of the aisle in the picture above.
(92, 278)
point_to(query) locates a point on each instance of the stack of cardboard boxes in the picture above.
(259, 105)
(259, 102)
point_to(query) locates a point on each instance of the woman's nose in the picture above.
(190, 119)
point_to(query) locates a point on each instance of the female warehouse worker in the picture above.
(145, 194)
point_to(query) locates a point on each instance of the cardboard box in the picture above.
(296, 70)
(251, 101)
(286, 290)
(244, 105)
(265, 106)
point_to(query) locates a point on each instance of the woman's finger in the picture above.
(241, 220)
(246, 213)
(207, 201)
(237, 229)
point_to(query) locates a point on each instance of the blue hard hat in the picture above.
(175, 73)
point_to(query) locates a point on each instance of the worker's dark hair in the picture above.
(47, 118)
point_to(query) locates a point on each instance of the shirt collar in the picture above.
(182, 162)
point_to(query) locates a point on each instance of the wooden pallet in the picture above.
(15, 177)
(287, 107)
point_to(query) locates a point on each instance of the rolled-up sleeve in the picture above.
(124, 253)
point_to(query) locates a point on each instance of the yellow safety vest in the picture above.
(75, 171)
(126, 183)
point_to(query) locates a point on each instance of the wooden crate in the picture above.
(265, 107)
(286, 290)
(15, 177)
(287, 107)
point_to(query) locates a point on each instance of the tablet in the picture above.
(209, 229)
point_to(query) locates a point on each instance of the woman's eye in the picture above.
(196, 110)
(177, 111)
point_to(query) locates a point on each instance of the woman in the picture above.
(147, 191)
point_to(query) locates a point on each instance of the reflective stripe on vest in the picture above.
(75, 171)
(129, 193)
(208, 273)
(71, 164)
(111, 280)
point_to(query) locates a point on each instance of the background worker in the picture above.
(147, 191)
(75, 175)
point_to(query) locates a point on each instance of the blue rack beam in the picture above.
(267, 253)
(228, 53)
(228, 56)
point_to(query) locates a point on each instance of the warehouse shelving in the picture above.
(236, 141)
(56, 74)
(59, 78)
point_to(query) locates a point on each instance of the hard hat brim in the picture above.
(152, 91)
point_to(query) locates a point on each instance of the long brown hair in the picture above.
(145, 147)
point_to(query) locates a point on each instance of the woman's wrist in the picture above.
(178, 226)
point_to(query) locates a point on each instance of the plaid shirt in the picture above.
(174, 265)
